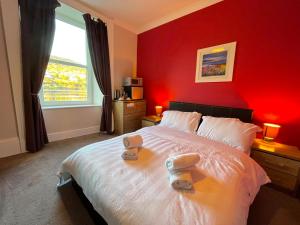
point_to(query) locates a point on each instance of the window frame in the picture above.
(89, 72)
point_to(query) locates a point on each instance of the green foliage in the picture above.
(65, 83)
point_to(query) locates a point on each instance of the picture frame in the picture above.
(215, 64)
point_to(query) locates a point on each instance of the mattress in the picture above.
(226, 181)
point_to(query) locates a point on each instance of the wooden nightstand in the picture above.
(281, 162)
(150, 121)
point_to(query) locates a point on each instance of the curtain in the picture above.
(98, 47)
(37, 33)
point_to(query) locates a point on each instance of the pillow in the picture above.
(184, 121)
(230, 131)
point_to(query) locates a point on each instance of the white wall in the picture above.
(11, 32)
(64, 122)
(125, 53)
(9, 141)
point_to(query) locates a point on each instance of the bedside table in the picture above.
(281, 162)
(148, 121)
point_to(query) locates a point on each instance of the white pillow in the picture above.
(230, 131)
(184, 121)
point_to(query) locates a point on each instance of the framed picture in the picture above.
(215, 64)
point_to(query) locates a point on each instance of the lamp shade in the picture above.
(270, 131)
(158, 110)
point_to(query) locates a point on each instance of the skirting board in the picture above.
(10, 146)
(61, 135)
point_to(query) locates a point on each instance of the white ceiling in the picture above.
(141, 15)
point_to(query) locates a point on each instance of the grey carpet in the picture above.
(28, 194)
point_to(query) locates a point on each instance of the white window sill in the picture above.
(68, 106)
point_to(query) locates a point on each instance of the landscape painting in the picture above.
(215, 64)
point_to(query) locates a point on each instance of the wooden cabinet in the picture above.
(150, 121)
(281, 162)
(128, 115)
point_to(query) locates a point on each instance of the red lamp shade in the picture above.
(270, 131)
(158, 110)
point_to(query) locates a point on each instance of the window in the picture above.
(69, 79)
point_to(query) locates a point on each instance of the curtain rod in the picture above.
(83, 8)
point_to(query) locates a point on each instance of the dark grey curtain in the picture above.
(37, 33)
(98, 46)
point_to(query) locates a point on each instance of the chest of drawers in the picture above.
(128, 115)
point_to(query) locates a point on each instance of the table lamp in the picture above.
(270, 131)
(158, 110)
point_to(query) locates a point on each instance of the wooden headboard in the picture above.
(244, 115)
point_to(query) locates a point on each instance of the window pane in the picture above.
(65, 83)
(69, 43)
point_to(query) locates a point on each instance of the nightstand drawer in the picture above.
(146, 123)
(151, 120)
(281, 179)
(134, 107)
(277, 163)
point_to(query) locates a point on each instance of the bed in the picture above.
(138, 192)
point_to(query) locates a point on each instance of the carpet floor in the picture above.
(28, 194)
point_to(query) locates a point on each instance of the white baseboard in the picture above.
(61, 135)
(10, 146)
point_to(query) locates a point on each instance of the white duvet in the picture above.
(226, 181)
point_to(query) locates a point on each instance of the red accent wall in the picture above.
(267, 64)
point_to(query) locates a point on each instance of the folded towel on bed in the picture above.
(133, 141)
(130, 154)
(181, 180)
(182, 161)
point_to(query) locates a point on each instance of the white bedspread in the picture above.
(226, 181)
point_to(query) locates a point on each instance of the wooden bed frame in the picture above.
(95, 216)
(244, 115)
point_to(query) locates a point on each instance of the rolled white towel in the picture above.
(133, 141)
(181, 180)
(130, 154)
(182, 161)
